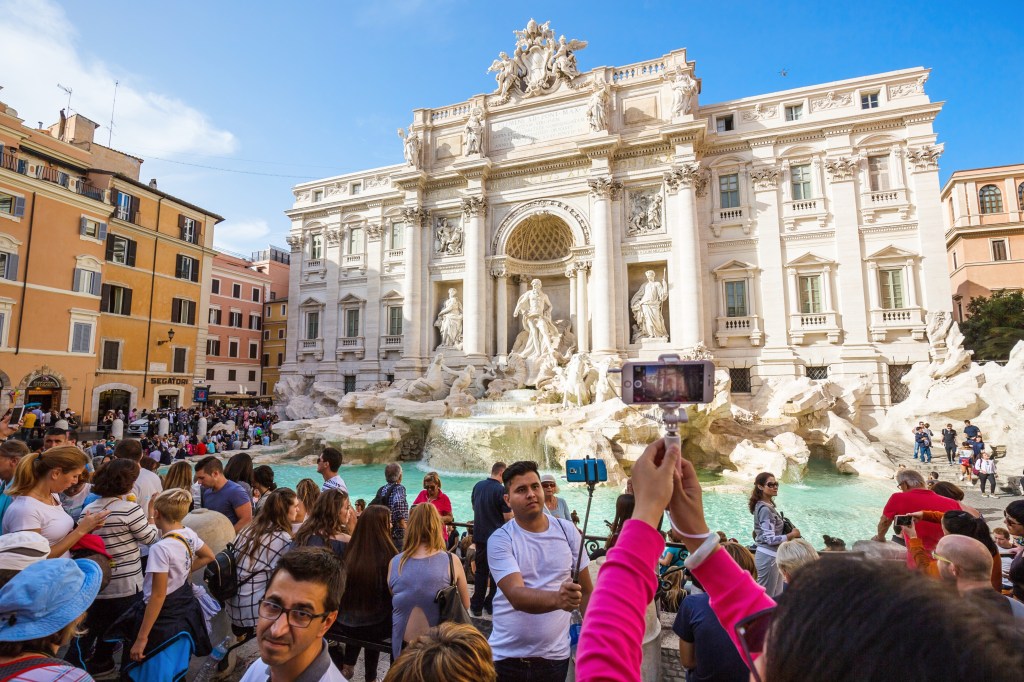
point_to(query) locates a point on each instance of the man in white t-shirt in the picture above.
(327, 465)
(532, 558)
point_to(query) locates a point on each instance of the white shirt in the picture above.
(545, 561)
(335, 482)
(170, 556)
(28, 513)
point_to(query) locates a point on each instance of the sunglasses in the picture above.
(771, 485)
(939, 557)
(751, 632)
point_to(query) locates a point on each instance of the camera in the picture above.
(587, 470)
(668, 382)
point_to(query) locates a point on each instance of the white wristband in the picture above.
(692, 536)
(703, 552)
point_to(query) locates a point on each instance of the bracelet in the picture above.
(702, 553)
(692, 536)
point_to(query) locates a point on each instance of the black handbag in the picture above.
(449, 601)
(787, 525)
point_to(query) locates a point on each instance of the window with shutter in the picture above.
(81, 335)
(180, 357)
(892, 288)
(10, 266)
(215, 286)
(232, 349)
(111, 354)
(351, 323)
(254, 350)
(736, 298)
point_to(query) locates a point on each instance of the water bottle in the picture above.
(575, 623)
(209, 669)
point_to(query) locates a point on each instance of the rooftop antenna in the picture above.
(67, 90)
(110, 128)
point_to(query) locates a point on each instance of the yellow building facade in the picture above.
(275, 333)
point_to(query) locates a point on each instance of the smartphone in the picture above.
(587, 470)
(16, 414)
(679, 382)
(903, 520)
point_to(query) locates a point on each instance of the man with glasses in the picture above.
(299, 606)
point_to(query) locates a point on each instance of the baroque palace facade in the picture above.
(792, 233)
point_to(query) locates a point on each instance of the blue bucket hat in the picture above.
(43, 598)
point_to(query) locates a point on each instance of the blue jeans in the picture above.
(926, 450)
(917, 449)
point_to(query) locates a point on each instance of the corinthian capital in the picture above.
(604, 187)
(687, 175)
(473, 206)
(415, 215)
(765, 178)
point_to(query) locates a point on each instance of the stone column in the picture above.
(293, 332)
(474, 283)
(583, 328)
(685, 300)
(911, 301)
(412, 292)
(501, 317)
(771, 281)
(924, 175)
(373, 322)
(826, 289)
(331, 325)
(570, 273)
(873, 286)
(602, 190)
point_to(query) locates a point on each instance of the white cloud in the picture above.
(245, 236)
(40, 48)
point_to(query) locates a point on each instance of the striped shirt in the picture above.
(122, 532)
(335, 482)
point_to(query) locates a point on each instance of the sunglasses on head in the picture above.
(751, 632)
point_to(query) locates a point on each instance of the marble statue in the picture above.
(597, 106)
(448, 237)
(654, 214)
(411, 147)
(449, 321)
(506, 75)
(463, 381)
(565, 58)
(474, 132)
(432, 385)
(684, 88)
(538, 64)
(535, 308)
(508, 376)
(576, 381)
(646, 306)
(608, 385)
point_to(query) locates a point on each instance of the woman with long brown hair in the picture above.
(365, 611)
(769, 531)
(325, 526)
(258, 548)
(307, 491)
(416, 576)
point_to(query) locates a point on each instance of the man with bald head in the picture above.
(968, 563)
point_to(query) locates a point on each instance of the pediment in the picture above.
(391, 296)
(809, 259)
(892, 252)
(735, 265)
(311, 302)
(351, 298)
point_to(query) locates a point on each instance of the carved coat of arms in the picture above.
(538, 64)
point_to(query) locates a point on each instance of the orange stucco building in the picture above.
(95, 269)
(984, 214)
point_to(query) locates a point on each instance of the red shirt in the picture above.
(200, 448)
(442, 503)
(915, 500)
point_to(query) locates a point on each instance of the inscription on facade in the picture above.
(543, 127)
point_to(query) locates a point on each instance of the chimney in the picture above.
(152, 183)
(63, 129)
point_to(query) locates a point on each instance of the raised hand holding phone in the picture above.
(653, 481)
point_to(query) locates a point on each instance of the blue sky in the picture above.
(314, 89)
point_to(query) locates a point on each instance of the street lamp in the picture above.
(170, 337)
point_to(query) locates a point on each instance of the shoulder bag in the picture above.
(449, 601)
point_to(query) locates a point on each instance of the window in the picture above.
(810, 294)
(729, 190)
(991, 199)
(252, 375)
(999, 249)
(724, 124)
(86, 282)
(398, 235)
(280, 359)
(892, 288)
(355, 240)
(736, 298)
(188, 229)
(263, 388)
(352, 323)
(356, 188)
(284, 310)
(255, 295)
(350, 383)
(81, 337)
(213, 347)
(318, 195)
(312, 325)
(395, 320)
(794, 112)
(389, 378)
(254, 350)
(898, 391)
(955, 264)
(235, 319)
(111, 355)
(116, 300)
(273, 296)
(266, 335)
(127, 207)
(818, 373)
(87, 227)
(12, 205)
(232, 375)
(8, 265)
(268, 312)
(214, 286)
(878, 173)
(120, 250)
(183, 311)
(255, 321)
(869, 100)
(266, 360)
(187, 268)
(179, 363)
(236, 291)
(280, 333)
(1020, 197)
(740, 379)
(801, 181)
(316, 246)
(211, 374)
(232, 349)
(214, 316)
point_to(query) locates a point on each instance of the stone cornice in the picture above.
(732, 243)
(885, 229)
(804, 236)
(639, 248)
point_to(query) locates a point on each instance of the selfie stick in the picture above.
(591, 483)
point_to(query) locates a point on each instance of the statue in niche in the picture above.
(541, 332)
(597, 106)
(683, 90)
(448, 237)
(449, 321)
(646, 306)
(410, 146)
(474, 132)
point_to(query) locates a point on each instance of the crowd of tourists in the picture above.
(97, 552)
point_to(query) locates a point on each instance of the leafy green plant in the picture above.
(995, 325)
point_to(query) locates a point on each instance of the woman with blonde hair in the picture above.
(38, 481)
(450, 652)
(326, 525)
(307, 491)
(418, 573)
(180, 476)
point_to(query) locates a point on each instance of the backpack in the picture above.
(383, 495)
(221, 575)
